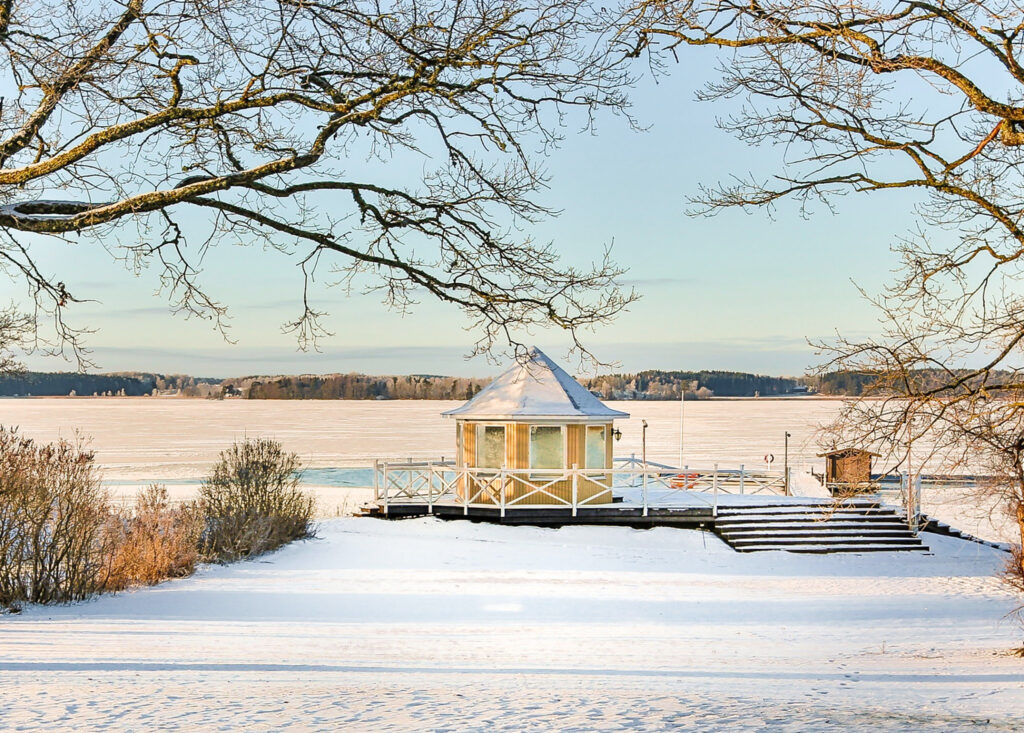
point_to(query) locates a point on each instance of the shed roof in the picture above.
(849, 451)
(537, 388)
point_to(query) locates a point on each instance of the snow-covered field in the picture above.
(422, 625)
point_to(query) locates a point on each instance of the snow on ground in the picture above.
(421, 624)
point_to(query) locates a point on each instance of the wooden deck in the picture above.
(719, 501)
(804, 526)
(556, 516)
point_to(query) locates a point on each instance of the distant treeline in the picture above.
(645, 385)
(850, 384)
(858, 383)
(355, 387)
(130, 384)
(661, 385)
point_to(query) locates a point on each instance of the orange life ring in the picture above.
(684, 480)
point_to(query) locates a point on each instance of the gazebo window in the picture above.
(490, 446)
(596, 446)
(547, 447)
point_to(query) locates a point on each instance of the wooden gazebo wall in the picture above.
(848, 467)
(517, 456)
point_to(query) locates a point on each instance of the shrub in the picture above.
(251, 502)
(155, 541)
(61, 539)
(54, 520)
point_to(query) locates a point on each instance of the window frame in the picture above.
(480, 430)
(565, 450)
(605, 429)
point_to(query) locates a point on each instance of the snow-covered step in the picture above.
(803, 532)
(767, 518)
(823, 506)
(842, 540)
(827, 548)
(816, 527)
(845, 524)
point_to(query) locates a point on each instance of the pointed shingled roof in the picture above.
(538, 388)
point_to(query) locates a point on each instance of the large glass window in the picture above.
(547, 447)
(490, 446)
(596, 446)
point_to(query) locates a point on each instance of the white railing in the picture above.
(651, 486)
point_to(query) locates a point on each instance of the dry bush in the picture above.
(54, 520)
(251, 502)
(155, 541)
(1014, 577)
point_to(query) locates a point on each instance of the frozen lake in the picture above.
(144, 439)
(141, 438)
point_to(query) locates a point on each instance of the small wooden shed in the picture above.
(526, 428)
(848, 466)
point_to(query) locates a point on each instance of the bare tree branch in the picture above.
(256, 121)
(925, 98)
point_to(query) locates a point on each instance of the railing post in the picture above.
(501, 488)
(645, 490)
(385, 488)
(470, 485)
(575, 487)
(714, 486)
(430, 488)
(917, 503)
(376, 480)
(741, 480)
(632, 465)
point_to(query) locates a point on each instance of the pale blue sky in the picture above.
(737, 291)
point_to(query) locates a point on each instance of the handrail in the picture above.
(435, 483)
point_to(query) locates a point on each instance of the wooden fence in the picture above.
(652, 485)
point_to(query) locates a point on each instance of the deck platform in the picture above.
(557, 516)
(749, 511)
(792, 524)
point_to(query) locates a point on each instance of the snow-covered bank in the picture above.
(423, 624)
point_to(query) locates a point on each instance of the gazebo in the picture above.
(532, 434)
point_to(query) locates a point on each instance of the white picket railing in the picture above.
(653, 485)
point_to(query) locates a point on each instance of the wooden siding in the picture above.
(468, 457)
(574, 446)
(517, 456)
(851, 467)
(517, 445)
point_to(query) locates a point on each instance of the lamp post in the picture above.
(682, 412)
(785, 463)
(643, 445)
(909, 496)
(643, 456)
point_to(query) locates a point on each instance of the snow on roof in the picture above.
(537, 388)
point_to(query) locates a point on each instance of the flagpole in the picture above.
(682, 413)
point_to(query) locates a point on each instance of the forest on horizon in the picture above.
(644, 385)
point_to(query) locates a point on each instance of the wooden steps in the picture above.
(806, 525)
(816, 527)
